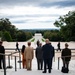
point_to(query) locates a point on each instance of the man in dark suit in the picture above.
(2, 57)
(39, 56)
(47, 56)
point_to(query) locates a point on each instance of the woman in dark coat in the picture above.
(66, 52)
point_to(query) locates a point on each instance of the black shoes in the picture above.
(44, 72)
(49, 72)
(0, 67)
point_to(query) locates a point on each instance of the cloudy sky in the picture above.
(35, 14)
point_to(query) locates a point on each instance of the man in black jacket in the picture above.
(47, 56)
(2, 57)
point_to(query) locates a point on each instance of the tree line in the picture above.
(9, 32)
(65, 23)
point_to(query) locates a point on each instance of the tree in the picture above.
(47, 34)
(7, 36)
(67, 26)
(14, 33)
(21, 36)
(5, 25)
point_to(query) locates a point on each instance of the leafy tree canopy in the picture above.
(67, 25)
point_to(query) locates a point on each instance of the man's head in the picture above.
(29, 43)
(40, 44)
(66, 45)
(1, 42)
(47, 41)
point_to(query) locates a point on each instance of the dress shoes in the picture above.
(44, 72)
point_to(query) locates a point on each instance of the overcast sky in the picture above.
(35, 14)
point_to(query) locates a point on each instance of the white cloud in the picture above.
(34, 17)
(35, 25)
(34, 10)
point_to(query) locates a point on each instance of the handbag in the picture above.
(64, 70)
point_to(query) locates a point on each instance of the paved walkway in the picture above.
(34, 71)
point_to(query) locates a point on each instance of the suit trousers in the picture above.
(47, 62)
(2, 63)
(29, 64)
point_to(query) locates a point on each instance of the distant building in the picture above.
(38, 34)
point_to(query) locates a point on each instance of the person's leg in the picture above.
(63, 63)
(30, 62)
(24, 63)
(45, 64)
(67, 64)
(41, 64)
(49, 65)
(27, 64)
(0, 64)
(3, 63)
(23, 60)
(37, 64)
(51, 62)
(59, 49)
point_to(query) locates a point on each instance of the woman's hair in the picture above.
(23, 48)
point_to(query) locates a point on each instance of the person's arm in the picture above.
(62, 54)
(25, 54)
(32, 53)
(70, 54)
(36, 53)
(53, 52)
(3, 50)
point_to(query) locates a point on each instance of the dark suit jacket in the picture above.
(2, 50)
(39, 53)
(47, 51)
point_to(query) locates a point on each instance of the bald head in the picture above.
(47, 41)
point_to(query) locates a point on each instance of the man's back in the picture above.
(47, 51)
(39, 53)
(29, 53)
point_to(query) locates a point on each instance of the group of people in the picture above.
(43, 53)
(27, 56)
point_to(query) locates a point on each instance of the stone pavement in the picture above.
(34, 71)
